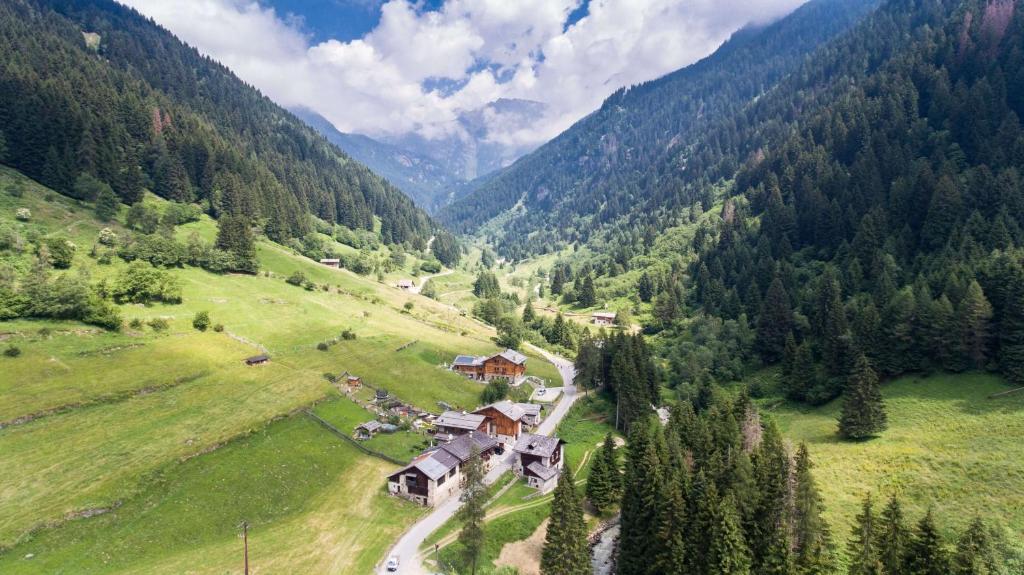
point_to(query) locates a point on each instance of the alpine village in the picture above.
(499, 287)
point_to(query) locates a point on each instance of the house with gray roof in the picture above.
(509, 364)
(539, 459)
(460, 423)
(436, 475)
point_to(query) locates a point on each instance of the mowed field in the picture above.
(948, 446)
(101, 432)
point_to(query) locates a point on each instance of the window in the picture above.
(441, 480)
(411, 481)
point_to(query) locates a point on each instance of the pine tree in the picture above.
(975, 331)
(565, 546)
(671, 549)
(234, 235)
(728, 554)
(926, 554)
(471, 514)
(812, 538)
(770, 545)
(831, 325)
(645, 288)
(604, 482)
(586, 294)
(774, 323)
(893, 536)
(863, 413)
(106, 204)
(862, 549)
(974, 552)
(788, 355)
(641, 501)
(803, 376)
(529, 315)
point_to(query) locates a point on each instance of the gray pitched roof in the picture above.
(541, 471)
(462, 447)
(506, 408)
(459, 420)
(541, 445)
(530, 408)
(512, 355)
(370, 426)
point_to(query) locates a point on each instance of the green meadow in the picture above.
(105, 434)
(948, 446)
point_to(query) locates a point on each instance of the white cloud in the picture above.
(486, 49)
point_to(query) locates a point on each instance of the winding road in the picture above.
(408, 547)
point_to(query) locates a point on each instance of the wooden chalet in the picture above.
(331, 262)
(539, 459)
(455, 423)
(603, 318)
(353, 382)
(435, 475)
(509, 364)
(531, 414)
(405, 284)
(257, 359)
(504, 420)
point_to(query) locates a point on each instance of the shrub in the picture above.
(44, 332)
(136, 323)
(408, 306)
(310, 286)
(218, 328)
(297, 278)
(61, 251)
(158, 324)
(23, 214)
(15, 190)
(107, 237)
(12, 351)
(348, 335)
(330, 377)
(201, 321)
(322, 346)
(431, 266)
(140, 282)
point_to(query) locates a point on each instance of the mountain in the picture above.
(423, 179)
(89, 87)
(473, 145)
(608, 165)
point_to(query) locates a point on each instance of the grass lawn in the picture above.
(315, 505)
(947, 446)
(345, 414)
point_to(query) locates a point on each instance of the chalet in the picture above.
(257, 359)
(405, 284)
(509, 364)
(457, 423)
(353, 382)
(539, 459)
(435, 475)
(331, 262)
(504, 420)
(603, 318)
(367, 430)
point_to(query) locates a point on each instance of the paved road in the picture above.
(408, 546)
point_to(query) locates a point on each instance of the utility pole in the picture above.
(245, 539)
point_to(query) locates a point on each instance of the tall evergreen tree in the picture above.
(471, 514)
(893, 536)
(769, 535)
(926, 554)
(862, 548)
(803, 376)
(830, 324)
(728, 554)
(586, 295)
(671, 556)
(565, 546)
(641, 502)
(529, 315)
(774, 323)
(234, 235)
(974, 552)
(812, 538)
(106, 204)
(605, 480)
(863, 413)
(975, 331)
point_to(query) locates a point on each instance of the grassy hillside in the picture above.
(93, 420)
(947, 446)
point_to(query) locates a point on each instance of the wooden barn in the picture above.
(455, 423)
(261, 359)
(509, 364)
(504, 420)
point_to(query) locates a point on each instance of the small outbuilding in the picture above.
(367, 430)
(331, 262)
(257, 359)
(538, 458)
(405, 284)
(603, 318)
(381, 395)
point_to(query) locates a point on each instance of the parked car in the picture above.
(392, 564)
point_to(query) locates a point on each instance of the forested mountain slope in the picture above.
(606, 166)
(92, 87)
(424, 180)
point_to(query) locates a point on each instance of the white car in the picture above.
(392, 564)
(541, 391)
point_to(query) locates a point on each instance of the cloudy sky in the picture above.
(390, 67)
